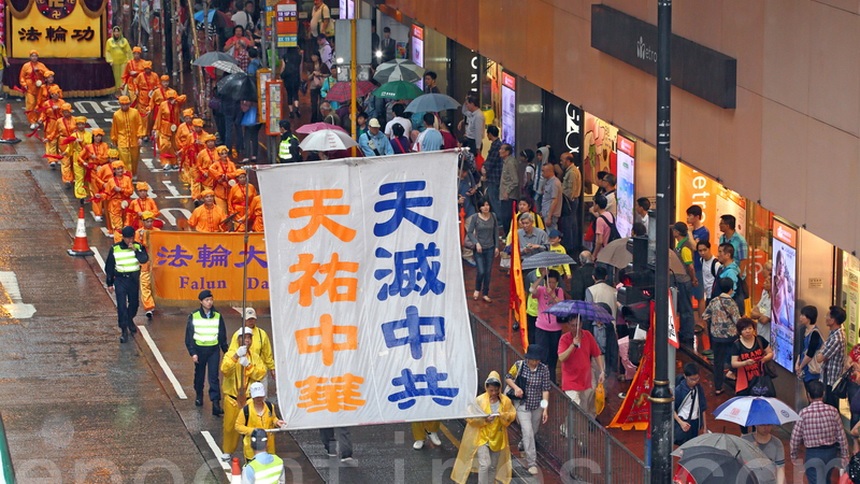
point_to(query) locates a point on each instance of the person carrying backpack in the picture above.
(605, 230)
(257, 414)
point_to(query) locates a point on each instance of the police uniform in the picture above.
(263, 468)
(123, 272)
(288, 149)
(206, 337)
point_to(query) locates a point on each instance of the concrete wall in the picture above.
(792, 143)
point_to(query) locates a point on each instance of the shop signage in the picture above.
(509, 109)
(625, 190)
(700, 70)
(53, 28)
(573, 132)
(418, 49)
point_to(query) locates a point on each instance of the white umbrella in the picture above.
(749, 411)
(398, 70)
(327, 140)
(228, 67)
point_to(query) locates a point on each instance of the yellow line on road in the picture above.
(447, 433)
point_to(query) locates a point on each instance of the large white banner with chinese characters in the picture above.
(369, 315)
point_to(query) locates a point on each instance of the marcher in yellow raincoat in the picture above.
(261, 344)
(126, 130)
(117, 54)
(141, 236)
(484, 447)
(141, 204)
(240, 368)
(93, 157)
(31, 78)
(257, 414)
(165, 123)
(74, 148)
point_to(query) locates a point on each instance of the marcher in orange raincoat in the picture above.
(159, 94)
(91, 158)
(236, 199)
(100, 177)
(145, 82)
(118, 190)
(31, 78)
(132, 69)
(139, 205)
(51, 119)
(256, 211)
(205, 158)
(45, 91)
(222, 172)
(141, 236)
(127, 128)
(165, 124)
(186, 143)
(208, 217)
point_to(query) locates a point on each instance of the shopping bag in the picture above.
(599, 398)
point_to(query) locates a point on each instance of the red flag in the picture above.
(518, 293)
(635, 411)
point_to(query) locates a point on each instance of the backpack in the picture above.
(248, 413)
(613, 230)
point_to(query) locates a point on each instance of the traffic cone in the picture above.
(236, 472)
(8, 130)
(81, 247)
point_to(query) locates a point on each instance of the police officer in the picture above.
(122, 268)
(205, 339)
(288, 148)
(264, 468)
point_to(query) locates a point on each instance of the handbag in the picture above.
(840, 388)
(763, 386)
(599, 399)
(814, 366)
(519, 381)
(250, 117)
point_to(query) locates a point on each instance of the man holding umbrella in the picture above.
(577, 349)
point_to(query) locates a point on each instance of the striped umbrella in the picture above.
(398, 70)
(749, 411)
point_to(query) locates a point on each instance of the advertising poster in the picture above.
(783, 294)
(418, 50)
(625, 190)
(851, 288)
(695, 188)
(509, 109)
(598, 148)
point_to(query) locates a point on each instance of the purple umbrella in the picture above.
(313, 127)
(584, 309)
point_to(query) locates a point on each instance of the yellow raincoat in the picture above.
(230, 386)
(494, 434)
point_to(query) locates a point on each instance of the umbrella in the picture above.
(342, 91)
(704, 458)
(327, 140)
(749, 411)
(432, 103)
(208, 58)
(397, 90)
(238, 87)
(198, 17)
(546, 259)
(585, 309)
(398, 70)
(314, 127)
(616, 254)
(228, 67)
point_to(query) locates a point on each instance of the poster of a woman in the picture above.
(783, 300)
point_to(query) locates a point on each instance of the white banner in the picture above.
(369, 316)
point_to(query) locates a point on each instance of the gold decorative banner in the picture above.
(55, 28)
(185, 263)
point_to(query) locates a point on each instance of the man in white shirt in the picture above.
(601, 292)
(473, 124)
(398, 110)
(326, 54)
(245, 17)
(710, 268)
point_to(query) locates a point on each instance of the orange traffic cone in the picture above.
(236, 472)
(81, 247)
(8, 130)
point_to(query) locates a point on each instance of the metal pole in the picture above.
(661, 394)
(177, 42)
(353, 79)
(164, 45)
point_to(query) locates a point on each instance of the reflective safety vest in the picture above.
(284, 148)
(126, 262)
(267, 473)
(205, 329)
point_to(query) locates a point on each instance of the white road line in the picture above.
(174, 193)
(106, 234)
(149, 341)
(150, 166)
(217, 451)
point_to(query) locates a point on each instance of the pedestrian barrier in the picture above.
(81, 248)
(8, 128)
(8, 476)
(571, 442)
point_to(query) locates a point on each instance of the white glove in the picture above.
(124, 204)
(244, 361)
(173, 128)
(232, 183)
(241, 351)
(38, 83)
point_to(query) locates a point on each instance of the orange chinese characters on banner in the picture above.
(322, 339)
(308, 286)
(318, 213)
(184, 263)
(319, 394)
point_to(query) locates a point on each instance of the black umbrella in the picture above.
(238, 87)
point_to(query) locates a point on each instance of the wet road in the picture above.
(80, 407)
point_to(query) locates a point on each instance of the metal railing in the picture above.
(571, 442)
(8, 475)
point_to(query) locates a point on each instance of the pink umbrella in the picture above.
(314, 127)
(341, 92)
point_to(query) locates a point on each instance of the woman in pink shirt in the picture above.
(548, 330)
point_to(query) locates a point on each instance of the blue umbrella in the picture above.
(432, 103)
(749, 411)
(198, 17)
(586, 310)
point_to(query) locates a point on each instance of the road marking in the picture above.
(17, 308)
(174, 193)
(166, 212)
(217, 451)
(96, 109)
(106, 233)
(447, 433)
(150, 166)
(149, 341)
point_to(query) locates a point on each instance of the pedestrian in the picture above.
(122, 270)
(207, 217)
(606, 337)
(601, 291)
(117, 54)
(481, 230)
(578, 351)
(773, 448)
(399, 142)
(571, 189)
(200, 174)
(205, 338)
(142, 236)
(338, 442)
(422, 431)
(261, 344)
(263, 467)
(492, 168)
(90, 159)
(257, 414)
(582, 277)
(832, 356)
(532, 399)
(722, 316)
(604, 224)
(4, 61)
(486, 438)
(548, 330)
(821, 432)
(554, 237)
(374, 142)
(806, 369)
(316, 72)
(710, 268)
(509, 185)
(532, 239)
(400, 118)
(690, 406)
(749, 354)
(291, 74)
(239, 198)
(145, 83)
(685, 249)
(731, 270)
(31, 78)
(126, 131)
(551, 197)
(472, 125)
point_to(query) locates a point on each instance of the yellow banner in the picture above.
(185, 263)
(62, 30)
